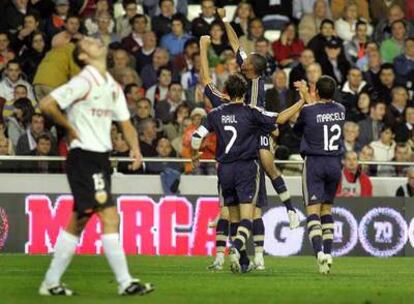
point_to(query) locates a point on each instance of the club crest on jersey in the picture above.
(101, 196)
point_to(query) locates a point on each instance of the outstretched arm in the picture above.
(285, 115)
(231, 34)
(204, 69)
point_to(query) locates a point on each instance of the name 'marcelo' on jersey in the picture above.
(92, 103)
(321, 125)
(237, 127)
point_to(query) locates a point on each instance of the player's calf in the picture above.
(222, 233)
(258, 239)
(315, 232)
(239, 243)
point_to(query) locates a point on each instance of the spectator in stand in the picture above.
(218, 44)
(133, 94)
(313, 73)
(362, 63)
(183, 62)
(121, 149)
(386, 83)
(69, 33)
(311, 21)
(404, 63)
(33, 55)
(367, 154)
(352, 88)
(128, 76)
(288, 48)
(395, 111)
(103, 32)
(333, 61)
(393, 47)
(361, 111)
(201, 25)
(262, 47)
(13, 15)
(351, 133)
(27, 141)
(56, 23)
(274, 13)
(338, 7)
(372, 72)
(91, 22)
(326, 33)
(302, 8)
(22, 38)
(280, 97)
(143, 111)
(383, 9)
(6, 53)
(20, 120)
(345, 27)
(159, 91)
(384, 147)
(405, 129)
(256, 31)
(165, 108)
(165, 150)
(230, 67)
(176, 128)
(244, 13)
(150, 71)
(120, 61)
(43, 147)
(123, 23)
(402, 154)
(152, 8)
(354, 182)
(135, 41)
(208, 147)
(148, 137)
(145, 54)
(161, 24)
(355, 49)
(13, 77)
(190, 78)
(174, 42)
(407, 190)
(288, 138)
(370, 128)
(298, 73)
(20, 91)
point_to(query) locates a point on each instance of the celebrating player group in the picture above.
(244, 152)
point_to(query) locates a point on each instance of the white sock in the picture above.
(116, 258)
(64, 249)
(220, 256)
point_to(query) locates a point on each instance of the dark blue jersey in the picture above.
(255, 95)
(215, 96)
(237, 127)
(321, 125)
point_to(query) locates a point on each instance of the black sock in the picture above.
(281, 189)
(222, 234)
(258, 235)
(327, 232)
(315, 232)
(243, 232)
(233, 231)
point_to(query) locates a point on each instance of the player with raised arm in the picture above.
(237, 127)
(321, 148)
(91, 100)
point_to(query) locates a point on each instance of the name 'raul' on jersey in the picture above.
(321, 125)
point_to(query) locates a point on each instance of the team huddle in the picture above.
(244, 153)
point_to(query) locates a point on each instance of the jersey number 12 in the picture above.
(331, 137)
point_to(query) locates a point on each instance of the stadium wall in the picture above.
(32, 214)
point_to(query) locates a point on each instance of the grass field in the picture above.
(185, 280)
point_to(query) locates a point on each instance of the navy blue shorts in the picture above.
(239, 182)
(320, 178)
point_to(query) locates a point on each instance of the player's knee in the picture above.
(234, 214)
(110, 219)
(224, 213)
(326, 209)
(257, 213)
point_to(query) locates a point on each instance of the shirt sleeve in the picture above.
(215, 96)
(76, 89)
(266, 120)
(241, 57)
(120, 111)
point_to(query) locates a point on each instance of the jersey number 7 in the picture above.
(232, 139)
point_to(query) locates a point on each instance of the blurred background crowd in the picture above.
(367, 46)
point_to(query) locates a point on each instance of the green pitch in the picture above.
(185, 280)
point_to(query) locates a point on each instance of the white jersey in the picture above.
(92, 103)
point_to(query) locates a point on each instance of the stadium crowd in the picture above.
(366, 46)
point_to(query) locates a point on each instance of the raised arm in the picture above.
(231, 34)
(204, 69)
(285, 115)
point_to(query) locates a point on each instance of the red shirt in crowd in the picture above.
(349, 187)
(292, 51)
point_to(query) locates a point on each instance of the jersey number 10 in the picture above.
(331, 137)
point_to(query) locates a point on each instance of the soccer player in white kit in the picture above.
(91, 100)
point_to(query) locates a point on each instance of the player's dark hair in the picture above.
(235, 86)
(259, 63)
(75, 55)
(326, 21)
(129, 87)
(326, 87)
(136, 17)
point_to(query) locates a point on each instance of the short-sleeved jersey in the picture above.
(321, 125)
(255, 95)
(92, 102)
(237, 127)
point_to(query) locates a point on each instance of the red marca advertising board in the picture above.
(167, 227)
